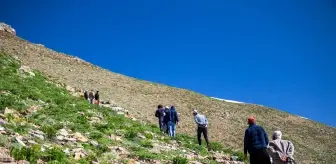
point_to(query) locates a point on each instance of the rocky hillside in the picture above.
(44, 122)
(314, 142)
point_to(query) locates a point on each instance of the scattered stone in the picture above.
(20, 141)
(2, 122)
(70, 89)
(141, 136)
(66, 151)
(32, 142)
(7, 28)
(2, 128)
(70, 139)
(63, 132)
(8, 111)
(116, 138)
(94, 143)
(26, 69)
(80, 137)
(60, 138)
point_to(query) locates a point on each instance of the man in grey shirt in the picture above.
(202, 127)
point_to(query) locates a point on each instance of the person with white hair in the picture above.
(202, 127)
(281, 151)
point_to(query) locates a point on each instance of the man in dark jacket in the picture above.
(165, 120)
(91, 97)
(96, 97)
(255, 143)
(172, 120)
(86, 95)
(159, 113)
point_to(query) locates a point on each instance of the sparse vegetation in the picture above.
(59, 110)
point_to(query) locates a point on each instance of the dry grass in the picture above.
(314, 142)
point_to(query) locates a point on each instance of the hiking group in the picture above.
(92, 97)
(256, 142)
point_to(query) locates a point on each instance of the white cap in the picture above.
(167, 107)
(277, 134)
(195, 111)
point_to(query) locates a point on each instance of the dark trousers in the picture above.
(259, 157)
(203, 130)
(161, 125)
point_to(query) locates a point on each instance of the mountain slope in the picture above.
(44, 123)
(314, 142)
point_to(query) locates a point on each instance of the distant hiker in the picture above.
(91, 97)
(86, 95)
(202, 127)
(165, 119)
(171, 119)
(281, 151)
(159, 113)
(255, 143)
(96, 97)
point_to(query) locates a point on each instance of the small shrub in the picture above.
(96, 135)
(146, 143)
(143, 155)
(180, 160)
(4, 141)
(149, 136)
(31, 154)
(215, 146)
(49, 131)
(131, 134)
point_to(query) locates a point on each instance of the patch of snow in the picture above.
(303, 117)
(231, 101)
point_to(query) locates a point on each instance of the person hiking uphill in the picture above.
(96, 97)
(91, 97)
(165, 119)
(202, 127)
(281, 151)
(255, 143)
(172, 120)
(86, 95)
(159, 113)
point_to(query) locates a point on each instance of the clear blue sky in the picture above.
(276, 53)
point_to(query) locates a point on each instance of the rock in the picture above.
(79, 155)
(63, 132)
(141, 136)
(23, 162)
(26, 69)
(132, 161)
(116, 138)
(8, 111)
(7, 28)
(2, 128)
(70, 89)
(94, 143)
(80, 137)
(32, 142)
(20, 141)
(38, 136)
(66, 151)
(119, 150)
(60, 138)
(70, 139)
(2, 122)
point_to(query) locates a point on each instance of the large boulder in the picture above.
(7, 28)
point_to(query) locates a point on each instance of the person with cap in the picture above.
(202, 127)
(281, 151)
(166, 119)
(159, 113)
(255, 143)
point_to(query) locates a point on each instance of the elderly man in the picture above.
(281, 151)
(255, 143)
(202, 127)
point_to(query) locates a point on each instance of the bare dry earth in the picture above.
(314, 142)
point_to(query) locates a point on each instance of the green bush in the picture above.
(146, 143)
(215, 146)
(180, 160)
(131, 134)
(49, 131)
